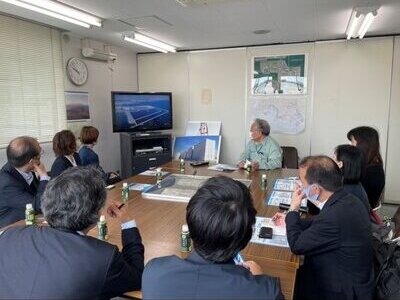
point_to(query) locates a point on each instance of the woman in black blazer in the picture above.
(350, 160)
(373, 180)
(64, 147)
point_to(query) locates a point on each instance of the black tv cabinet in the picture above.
(139, 152)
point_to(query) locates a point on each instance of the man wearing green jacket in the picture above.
(262, 151)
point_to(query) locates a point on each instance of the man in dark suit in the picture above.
(59, 261)
(337, 243)
(19, 185)
(220, 217)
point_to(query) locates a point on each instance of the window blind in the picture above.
(31, 81)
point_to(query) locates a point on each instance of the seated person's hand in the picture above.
(279, 219)
(118, 211)
(253, 267)
(255, 165)
(39, 168)
(297, 197)
(241, 164)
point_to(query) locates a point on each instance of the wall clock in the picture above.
(77, 71)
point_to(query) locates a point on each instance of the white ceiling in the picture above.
(221, 23)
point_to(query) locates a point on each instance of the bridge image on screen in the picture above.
(139, 115)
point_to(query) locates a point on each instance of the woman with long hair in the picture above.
(373, 180)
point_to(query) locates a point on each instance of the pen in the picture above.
(121, 205)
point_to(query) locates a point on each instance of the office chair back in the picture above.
(290, 158)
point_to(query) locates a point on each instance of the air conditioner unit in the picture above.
(98, 54)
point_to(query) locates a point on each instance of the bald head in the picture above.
(321, 170)
(22, 150)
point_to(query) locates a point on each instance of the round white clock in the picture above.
(77, 71)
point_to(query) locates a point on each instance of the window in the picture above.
(31, 81)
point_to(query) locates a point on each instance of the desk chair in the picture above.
(290, 157)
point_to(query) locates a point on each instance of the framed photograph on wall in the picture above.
(279, 75)
(77, 105)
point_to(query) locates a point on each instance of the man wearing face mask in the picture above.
(22, 180)
(262, 151)
(336, 244)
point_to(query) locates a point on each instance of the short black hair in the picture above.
(220, 217)
(72, 201)
(353, 163)
(322, 170)
(368, 141)
(21, 150)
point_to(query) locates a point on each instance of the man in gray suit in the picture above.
(220, 217)
(60, 261)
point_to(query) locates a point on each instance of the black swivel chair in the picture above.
(290, 158)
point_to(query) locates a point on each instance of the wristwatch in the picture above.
(293, 209)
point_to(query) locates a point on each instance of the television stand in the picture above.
(141, 151)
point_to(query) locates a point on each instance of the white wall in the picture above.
(350, 84)
(351, 88)
(224, 74)
(392, 190)
(101, 82)
(168, 73)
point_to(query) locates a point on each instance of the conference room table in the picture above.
(160, 222)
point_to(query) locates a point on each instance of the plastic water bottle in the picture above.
(102, 228)
(29, 214)
(182, 165)
(185, 239)
(159, 176)
(264, 181)
(125, 192)
(248, 166)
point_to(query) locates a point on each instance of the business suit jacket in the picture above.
(358, 191)
(337, 245)
(61, 163)
(195, 278)
(15, 193)
(47, 263)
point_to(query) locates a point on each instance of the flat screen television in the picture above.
(138, 112)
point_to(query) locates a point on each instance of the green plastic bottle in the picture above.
(102, 228)
(125, 192)
(29, 214)
(185, 239)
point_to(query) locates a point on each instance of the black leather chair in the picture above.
(290, 158)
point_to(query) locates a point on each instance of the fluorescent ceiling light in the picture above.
(148, 42)
(59, 11)
(369, 18)
(131, 40)
(153, 42)
(360, 20)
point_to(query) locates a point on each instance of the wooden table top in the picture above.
(160, 222)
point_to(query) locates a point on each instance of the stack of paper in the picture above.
(283, 191)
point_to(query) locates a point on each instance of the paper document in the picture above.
(285, 185)
(278, 197)
(153, 173)
(278, 230)
(141, 187)
(223, 167)
(277, 240)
